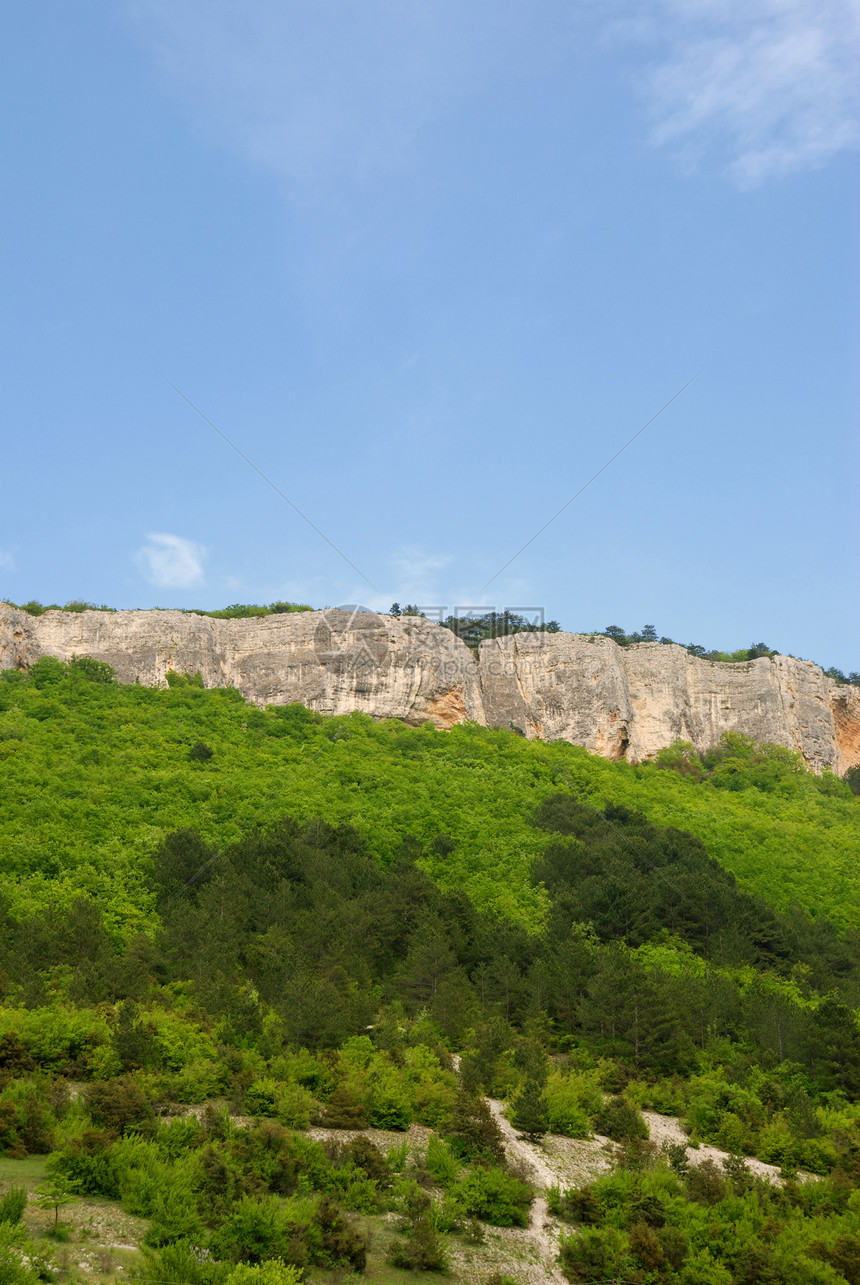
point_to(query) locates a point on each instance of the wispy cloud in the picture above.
(324, 93)
(320, 91)
(769, 86)
(416, 574)
(7, 562)
(171, 561)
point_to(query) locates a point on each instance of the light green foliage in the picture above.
(391, 1094)
(701, 1268)
(13, 1202)
(19, 1260)
(57, 1034)
(441, 1162)
(54, 1195)
(596, 1254)
(572, 1102)
(494, 1196)
(99, 773)
(274, 1271)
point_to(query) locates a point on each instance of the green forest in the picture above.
(290, 998)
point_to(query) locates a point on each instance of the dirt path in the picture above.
(667, 1128)
(543, 1230)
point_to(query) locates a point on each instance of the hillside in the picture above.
(272, 979)
(618, 700)
(95, 774)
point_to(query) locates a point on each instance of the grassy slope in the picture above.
(91, 778)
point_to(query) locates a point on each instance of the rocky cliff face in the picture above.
(617, 702)
(331, 661)
(631, 702)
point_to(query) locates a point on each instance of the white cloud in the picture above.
(7, 562)
(171, 561)
(331, 92)
(769, 85)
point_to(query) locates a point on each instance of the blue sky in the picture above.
(429, 265)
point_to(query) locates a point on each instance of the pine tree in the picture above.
(530, 1111)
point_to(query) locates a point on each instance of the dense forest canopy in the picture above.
(239, 949)
(94, 773)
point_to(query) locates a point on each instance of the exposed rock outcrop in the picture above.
(617, 702)
(631, 702)
(332, 661)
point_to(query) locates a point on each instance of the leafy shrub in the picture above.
(119, 1105)
(578, 1205)
(441, 1162)
(262, 1097)
(390, 1109)
(620, 1119)
(344, 1110)
(182, 1264)
(274, 1271)
(174, 1215)
(13, 1202)
(494, 1196)
(596, 1254)
(570, 1102)
(87, 1164)
(422, 1249)
(255, 1230)
(17, 1258)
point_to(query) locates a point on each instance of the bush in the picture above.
(344, 1111)
(255, 1230)
(341, 1244)
(16, 1257)
(87, 1165)
(579, 1205)
(119, 1105)
(367, 1157)
(596, 1254)
(495, 1196)
(621, 1120)
(422, 1249)
(274, 1271)
(182, 1264)
(441, 1162)
(13, 1202)
(261, 1098)
(473, 1133)
(529, 1112)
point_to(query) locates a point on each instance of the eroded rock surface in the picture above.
(333, 661)
(617, 702)
(630, 702)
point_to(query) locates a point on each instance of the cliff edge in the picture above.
(631, 702)
(617, 702)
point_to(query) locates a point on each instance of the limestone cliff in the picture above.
(631, 702)
(617, 702)
(331, 661)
